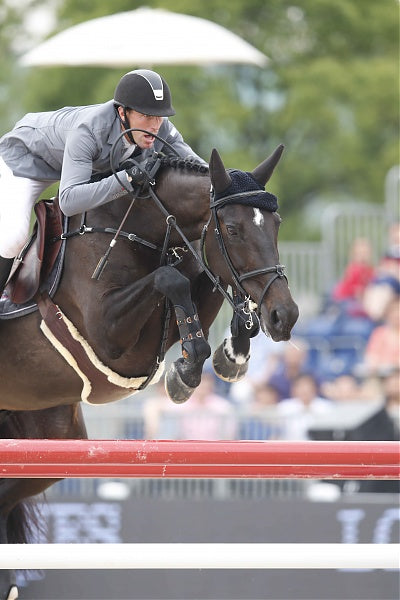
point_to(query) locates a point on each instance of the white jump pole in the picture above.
(200, 556)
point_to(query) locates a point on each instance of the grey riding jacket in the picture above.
(72, 145)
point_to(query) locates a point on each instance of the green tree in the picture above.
(330, 92)
(10, 79)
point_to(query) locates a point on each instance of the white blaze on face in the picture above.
(258, 218)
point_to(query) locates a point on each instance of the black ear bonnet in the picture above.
(243, 182)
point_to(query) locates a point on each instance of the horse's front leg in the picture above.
(184, 374)
(231, 358)
(128, 312)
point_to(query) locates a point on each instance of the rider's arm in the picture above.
(77, 194)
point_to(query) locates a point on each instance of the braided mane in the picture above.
(189, 164)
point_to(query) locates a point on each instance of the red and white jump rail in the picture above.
(199, 459)
(129, 458)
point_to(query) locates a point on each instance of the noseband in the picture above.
(277, 270)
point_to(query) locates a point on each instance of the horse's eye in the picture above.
(231, 229)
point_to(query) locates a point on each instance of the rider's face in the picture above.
(141, 121)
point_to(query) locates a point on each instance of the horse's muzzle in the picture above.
(279, 321)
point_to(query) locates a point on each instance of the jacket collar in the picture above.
(114, 131)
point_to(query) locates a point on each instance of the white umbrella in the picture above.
(144, 37)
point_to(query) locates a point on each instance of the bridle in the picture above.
(277, 270)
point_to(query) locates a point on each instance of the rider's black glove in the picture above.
(136, 176)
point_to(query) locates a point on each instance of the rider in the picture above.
(72, 145)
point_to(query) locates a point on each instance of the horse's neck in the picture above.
(185, 195)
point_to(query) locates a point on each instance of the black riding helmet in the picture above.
(146, 92)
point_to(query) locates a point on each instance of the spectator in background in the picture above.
(386, 283)
(391, 394)
(383, 425)
(291, 363)
(348, 387)
(257, 417)
(160, 415)
(300, 412)
(344, 314)
(265, 355)
(264, 396)
(358, 273)
(382, 352)
(207, 415)
(344, 388)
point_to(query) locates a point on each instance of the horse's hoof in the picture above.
(13, 593)
(229, 368)
(177, 390)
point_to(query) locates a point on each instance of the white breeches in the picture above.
(17, 198)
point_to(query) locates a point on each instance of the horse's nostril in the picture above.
(275, 318)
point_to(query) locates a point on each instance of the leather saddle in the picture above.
(37, 258)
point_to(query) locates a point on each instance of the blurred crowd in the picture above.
(337, 378)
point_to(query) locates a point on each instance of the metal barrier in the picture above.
(341, 224)
(306, 265)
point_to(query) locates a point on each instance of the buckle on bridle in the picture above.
(249, 306)
(280, 270)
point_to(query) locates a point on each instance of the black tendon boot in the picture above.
(5, 268)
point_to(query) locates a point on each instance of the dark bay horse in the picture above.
(155, 290)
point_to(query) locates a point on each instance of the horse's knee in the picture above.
(172, 284)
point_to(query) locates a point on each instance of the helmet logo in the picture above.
(154, 80)
(158, 94)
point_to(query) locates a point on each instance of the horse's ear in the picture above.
(220, 178)
(263, 172)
